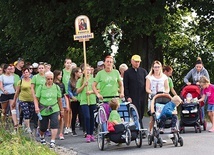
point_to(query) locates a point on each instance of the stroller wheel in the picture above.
(155, 142)
(205, 125)
(128, 136)
(199, 129)
(160, 142)
(180, 140)
(175, 140)
(150, 139)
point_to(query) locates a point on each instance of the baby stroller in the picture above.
(191, 111)
(160, 102)
(124, 133)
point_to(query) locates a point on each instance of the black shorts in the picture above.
(6, 97)
(54, 122)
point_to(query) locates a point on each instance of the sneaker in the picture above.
(92, 138)
(52, 145)
(28, 130)
(61, 137)
(88, 139)
(74, 133)
(42, 140)
(66, 131)
(69, 130)
(161, 131)
(84, 134)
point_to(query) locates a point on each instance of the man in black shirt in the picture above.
(19, 66)
(134, 86)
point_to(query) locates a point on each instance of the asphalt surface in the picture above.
(194, 143)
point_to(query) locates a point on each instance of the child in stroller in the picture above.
(163, 109)
(169, 111)
(192, 111)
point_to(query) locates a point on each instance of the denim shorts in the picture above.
(63, 102)
(210, 107)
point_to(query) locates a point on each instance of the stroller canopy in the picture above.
(192, 89)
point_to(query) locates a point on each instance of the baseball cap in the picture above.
(100, 63)
(15, 63)
(35, 65)
(136, 58)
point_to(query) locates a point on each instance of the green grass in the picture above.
(20, 143)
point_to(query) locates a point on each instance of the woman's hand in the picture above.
(121, 95)
(100, 97)
(37, 110)
(89, 92)
(5, 92)
(74, 98)
(14, 105)
(61, 113)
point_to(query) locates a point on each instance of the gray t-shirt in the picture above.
(8, 83)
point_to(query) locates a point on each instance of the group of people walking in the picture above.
(62, 97)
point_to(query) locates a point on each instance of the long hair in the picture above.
(56, 74)
(152, 70)
(73, 80)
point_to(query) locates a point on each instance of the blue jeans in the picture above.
(88, 114)
(163, 119)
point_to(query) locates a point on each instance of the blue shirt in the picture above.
(168, 109)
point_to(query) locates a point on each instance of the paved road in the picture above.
(194, 143)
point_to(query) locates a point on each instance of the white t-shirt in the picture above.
(157, 84)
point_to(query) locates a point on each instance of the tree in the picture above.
(43, 31)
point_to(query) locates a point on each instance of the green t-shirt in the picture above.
(66, 78)
(170, 83)
(48, 97)
(108, 83)
(82, 97)
(16, 79)
(25, 88)
(114, 116)
(37, 80)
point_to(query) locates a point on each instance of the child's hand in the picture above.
(175, 112)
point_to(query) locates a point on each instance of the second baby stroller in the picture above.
(191, 111)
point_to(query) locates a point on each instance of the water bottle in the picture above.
(39, 116)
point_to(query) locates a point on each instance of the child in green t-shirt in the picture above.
(114, 116)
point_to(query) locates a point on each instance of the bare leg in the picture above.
(13, 111)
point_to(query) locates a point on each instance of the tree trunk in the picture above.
(145, 47)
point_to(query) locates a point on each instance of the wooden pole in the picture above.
(85, 71)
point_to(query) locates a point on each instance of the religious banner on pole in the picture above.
(83, 28)
(83, 34)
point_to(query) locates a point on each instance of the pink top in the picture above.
(209, 92)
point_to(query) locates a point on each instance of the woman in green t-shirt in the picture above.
(109, 82)
(48, 102)
(87, 100)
